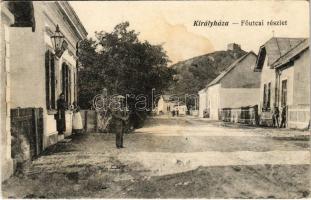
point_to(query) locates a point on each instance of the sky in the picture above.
(171, 22)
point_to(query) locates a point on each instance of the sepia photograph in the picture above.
(155, 99)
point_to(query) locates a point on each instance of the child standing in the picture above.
(77, 126)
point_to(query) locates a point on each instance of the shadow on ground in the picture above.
(88, 166)
(260, 181)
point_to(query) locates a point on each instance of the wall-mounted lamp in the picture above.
(59, 43)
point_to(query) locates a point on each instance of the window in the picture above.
(50, 80)
(284, 93)
(75, 85)
(269, 96)
(266, 97)
(261, 58)
(23, 12)
(66, 83)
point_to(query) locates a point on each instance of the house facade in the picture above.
(37, 73)
(7, 19)
(277, 86)
(293, 85)
(236, 87)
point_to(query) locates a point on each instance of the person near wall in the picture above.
(77, 126)
(275, 116)
(60, 115)
(119, 119)
(283, 117)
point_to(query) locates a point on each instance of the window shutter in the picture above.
(69, 86)
(269, 95)
(47, 79)
(63, 79)
(264, 96)
(53, 82)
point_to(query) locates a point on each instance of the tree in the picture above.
(123, 64)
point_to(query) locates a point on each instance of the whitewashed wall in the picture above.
(6, 161)
(213, 94)
(267, 75)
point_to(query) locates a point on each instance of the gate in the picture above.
(27, 123)
(244, 115)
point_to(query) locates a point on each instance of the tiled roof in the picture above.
(228, 69)
(275, 48)
(290, 55)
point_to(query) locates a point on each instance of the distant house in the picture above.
(182, 109)
(289, 80)
(237, 86)
(285, 76)
(165, 104)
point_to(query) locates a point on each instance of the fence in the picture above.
(298, 116)
(89, 120)
(93, 121)
(266, 118)
(27, 132)
(194, 112)
(98, 121)
(245, 115)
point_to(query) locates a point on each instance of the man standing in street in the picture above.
(275, 116)
(283, 117)
(119, 118)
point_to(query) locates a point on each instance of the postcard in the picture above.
(155, 99)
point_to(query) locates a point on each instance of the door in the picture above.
(284, 93)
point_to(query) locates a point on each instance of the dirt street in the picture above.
(172, 158)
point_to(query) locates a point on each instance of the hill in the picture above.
(195, 73)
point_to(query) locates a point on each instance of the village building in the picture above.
(165, 104)
(39, 66)
(235, 87)
(293, 85)
(203, 103)
(181, 109)
(279, 84)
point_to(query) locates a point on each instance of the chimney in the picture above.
(233, 46)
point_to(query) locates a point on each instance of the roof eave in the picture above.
(73, 19)
(279, 64)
